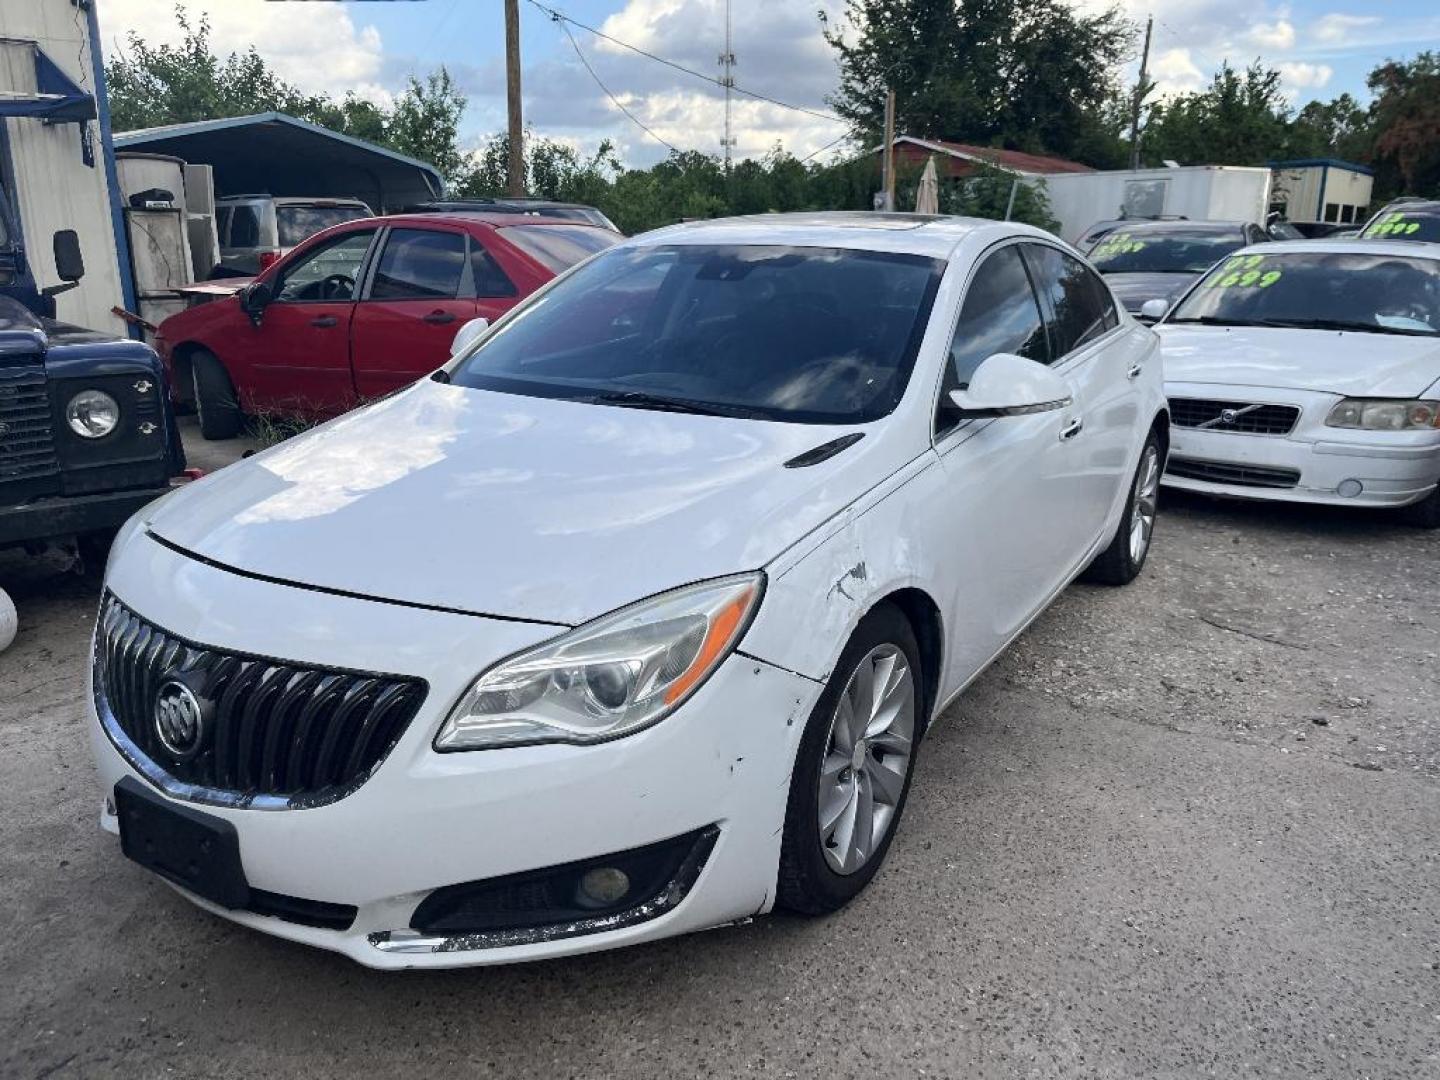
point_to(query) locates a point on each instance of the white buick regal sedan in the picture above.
(1310, 372)
(627, 622)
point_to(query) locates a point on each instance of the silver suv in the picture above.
(255, 230)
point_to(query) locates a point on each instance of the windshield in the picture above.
(1168, 251)
(299, 223)
(1421, 223)
(1325, 290)
(559, 247)
(810, 335)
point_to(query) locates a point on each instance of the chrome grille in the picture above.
(1227, 472)
(274, 730)
(1235, 417)
(27, 439)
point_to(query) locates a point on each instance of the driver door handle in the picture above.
(440, 317)
(1072, 428)
(324, 321)
(1135, 370)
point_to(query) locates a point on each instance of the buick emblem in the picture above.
(180, 720)
(1229, 416)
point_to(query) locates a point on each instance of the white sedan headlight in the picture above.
(1375, 414)
(608, 678)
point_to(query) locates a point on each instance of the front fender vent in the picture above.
(825, 451)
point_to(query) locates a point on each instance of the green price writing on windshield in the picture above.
(1118, 245)
(1393, 225)
(1243, 272)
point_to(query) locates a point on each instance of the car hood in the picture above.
(522, 507)
(1352, 364)
(1133, 290)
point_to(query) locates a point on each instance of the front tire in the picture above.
(216, 406)
(1122, 561)
(853, 769)
(1424, 514)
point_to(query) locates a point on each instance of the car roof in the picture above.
(292, 200)
(492, 220)
(1411, 202)
(1146, 225)
(919, 234)
(1414, 249)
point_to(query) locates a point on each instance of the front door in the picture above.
(297, 358)
(422, 292)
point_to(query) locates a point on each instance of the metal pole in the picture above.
(1010, 207)
(516, 165)
(727, 79)
(1140, 91)
(889, 149)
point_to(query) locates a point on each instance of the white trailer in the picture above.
(1197, 192)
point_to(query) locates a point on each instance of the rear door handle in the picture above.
(439, 318)
(1071, 429)
(324, 321)
(1135, 370)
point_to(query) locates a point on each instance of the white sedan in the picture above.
(1310, 372)
(628, 622)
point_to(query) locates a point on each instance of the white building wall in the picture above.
(54, 188)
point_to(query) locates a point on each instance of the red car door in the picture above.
(421, 292)
(296, 358)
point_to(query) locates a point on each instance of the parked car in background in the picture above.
(1159, 260)
(562, 211)
(1097, 232)
(1406, 219)
(256, 230)
(630, 621)
(360, 310)
(1310, 372)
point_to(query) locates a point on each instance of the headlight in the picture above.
(93, 414)
(610, 677)
(1372, 414)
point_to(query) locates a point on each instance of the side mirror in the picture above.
(1153, 310)
(1010, 385)
(256, 296)
(69, 263)
(467, 335)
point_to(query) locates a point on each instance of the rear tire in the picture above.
(1122, 561)
(1424, 514)
(821, 867)
(216, 406)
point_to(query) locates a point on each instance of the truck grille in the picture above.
(1225, 472)
(27, 441)
(1245, 417)
(271, 730)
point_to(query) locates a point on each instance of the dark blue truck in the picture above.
(87, 432)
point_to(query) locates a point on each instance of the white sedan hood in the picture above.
(1350, 364)
(522, 507)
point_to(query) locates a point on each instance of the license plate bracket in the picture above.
(197, 851)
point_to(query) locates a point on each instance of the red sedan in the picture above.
(359, 310)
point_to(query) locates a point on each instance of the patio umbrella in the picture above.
(927, 199)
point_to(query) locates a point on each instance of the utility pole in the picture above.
(727, 80)
(1141, 89)
(516, 165)
(889, 149)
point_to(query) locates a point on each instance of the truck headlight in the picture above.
(1376, 414)
(92, 414)
(608, 678)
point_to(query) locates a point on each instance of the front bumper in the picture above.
(1335, 466)
(425, 820)
(49, 518)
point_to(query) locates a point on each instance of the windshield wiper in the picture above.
(1348, 324)
(1216, 320)
(640, 399)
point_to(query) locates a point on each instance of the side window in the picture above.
(490, 280)
(328, 273)
(245, 227)
(420, 264)
(1076, 299)
(999, 314)
(222, 225)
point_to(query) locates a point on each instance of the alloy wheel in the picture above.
(1142, 513)
(867, 758)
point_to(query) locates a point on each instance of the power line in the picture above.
(827, 146)
(561, 17)
(598, 82)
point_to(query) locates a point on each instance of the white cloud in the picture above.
(1277, 35)
(1337, 28)
(293, 38)
(1174, 71)
(1302, 76)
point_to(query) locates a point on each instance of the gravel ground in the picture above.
(1187, 828)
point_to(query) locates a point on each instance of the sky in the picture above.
(370, 47)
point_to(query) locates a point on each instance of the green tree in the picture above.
(1336, 129)
(425, 124)
(1242, 119)
(1022, 74)
(1405, 116)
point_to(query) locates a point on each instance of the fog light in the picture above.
(1348, 489)
(603, 886)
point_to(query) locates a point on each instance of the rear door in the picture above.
(421, 291)
(297, 358)
(1102, 368)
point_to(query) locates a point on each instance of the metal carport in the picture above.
(275, 154)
